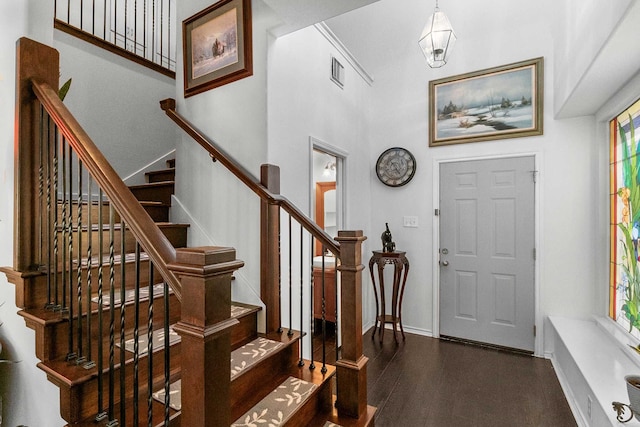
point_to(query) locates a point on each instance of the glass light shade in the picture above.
(437, 39)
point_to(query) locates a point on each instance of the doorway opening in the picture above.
(327, 210)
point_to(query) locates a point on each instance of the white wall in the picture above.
(509, 32)
(582, 28)
(234, 116)
(304, 103)
(126, 123)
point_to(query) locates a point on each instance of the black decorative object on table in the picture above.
(388, 245)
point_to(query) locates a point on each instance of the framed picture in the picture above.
(496, 103)
(217, 46)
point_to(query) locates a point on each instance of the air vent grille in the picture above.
(337, 72)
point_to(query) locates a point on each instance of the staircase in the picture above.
(150, 337)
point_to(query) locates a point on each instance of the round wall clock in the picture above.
(395, 167)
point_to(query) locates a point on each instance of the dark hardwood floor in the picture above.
(428, 382)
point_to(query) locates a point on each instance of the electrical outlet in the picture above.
(410, 221)
(589, 406)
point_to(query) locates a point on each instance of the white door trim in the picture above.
(539, 321)
(341, 175)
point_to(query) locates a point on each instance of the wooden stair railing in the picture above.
(158, 247)
(351, 392)
(54, 266)
(55, 292)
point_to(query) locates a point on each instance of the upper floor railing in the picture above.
(143, 31)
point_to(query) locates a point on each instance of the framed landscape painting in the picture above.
(217, 46)
(496, 103)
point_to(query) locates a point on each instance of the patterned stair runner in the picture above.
(241, 360)
(158, 335)
(130, 294)
(279, 405)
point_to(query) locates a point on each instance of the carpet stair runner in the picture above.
(289, 402)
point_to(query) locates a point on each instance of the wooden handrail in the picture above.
(169, 107)
(155, 243)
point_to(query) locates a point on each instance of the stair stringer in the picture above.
(138, 177)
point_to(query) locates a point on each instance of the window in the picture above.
(624, 271)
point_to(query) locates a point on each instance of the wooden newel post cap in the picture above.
(205, 255)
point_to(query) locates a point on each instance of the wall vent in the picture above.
(337, 72)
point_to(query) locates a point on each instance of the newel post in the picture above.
(270, 248)
(205, 330)
(352, 366)
(33, 61)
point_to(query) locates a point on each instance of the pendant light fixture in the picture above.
(437, 39)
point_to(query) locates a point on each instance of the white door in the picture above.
(487, 251)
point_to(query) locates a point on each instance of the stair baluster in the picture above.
(80, 357)
(150, 347)
(312, 281)
(136, 341)
(301, 361)
(123, 293)
(112, 303)
(48, 211)
(71, 354)
(324, 316)
(56, 223)
(167, 356)
(65, 238)
(90, 363)
(102, 414)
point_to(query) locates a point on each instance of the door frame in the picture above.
(537, 225)
(341, 182)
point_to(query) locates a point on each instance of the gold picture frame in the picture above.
(495, 103)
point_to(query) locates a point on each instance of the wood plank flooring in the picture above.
(428, 382)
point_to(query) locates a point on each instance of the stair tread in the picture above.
(160, 171)
(152, 184)
(158, 338)
(153, 203)
(117, 226)
(302, 374)
(59, 367)
(280, 404)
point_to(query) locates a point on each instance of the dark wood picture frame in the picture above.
(217, 46)
(495, 103)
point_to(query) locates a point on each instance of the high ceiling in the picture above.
(298, 14)
(384, 33)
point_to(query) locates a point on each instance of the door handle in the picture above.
(444, 263)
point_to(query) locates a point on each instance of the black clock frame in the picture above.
(411, 173)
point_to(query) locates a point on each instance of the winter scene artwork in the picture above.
(217, 46)
(503, 102)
